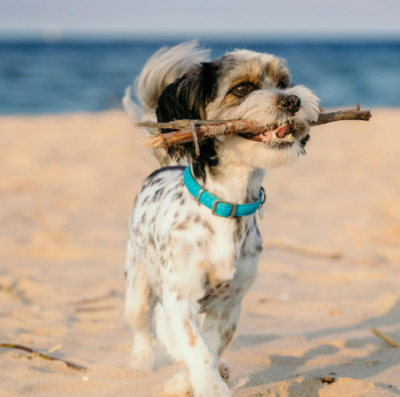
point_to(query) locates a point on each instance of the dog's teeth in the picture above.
(266, 136)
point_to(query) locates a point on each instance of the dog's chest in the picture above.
(217, 291)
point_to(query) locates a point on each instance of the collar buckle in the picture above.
(214, 208)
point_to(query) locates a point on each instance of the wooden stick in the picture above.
(205, 131)
(355, 114)
(42, 355)
(211, 128)
(385, 338)
(194, 135)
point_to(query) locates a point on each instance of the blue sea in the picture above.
(91, 76)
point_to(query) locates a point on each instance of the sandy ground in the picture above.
(330, 270)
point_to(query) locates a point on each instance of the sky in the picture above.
(278, 18)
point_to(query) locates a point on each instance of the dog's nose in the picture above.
(291, 103)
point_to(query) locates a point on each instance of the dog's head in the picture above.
(242, 85)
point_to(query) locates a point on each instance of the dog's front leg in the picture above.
(188, 344)
(219, 327)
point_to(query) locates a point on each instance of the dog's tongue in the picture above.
(281, 131)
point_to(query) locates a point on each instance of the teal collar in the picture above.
(217, 206)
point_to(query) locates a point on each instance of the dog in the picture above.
(184, 258)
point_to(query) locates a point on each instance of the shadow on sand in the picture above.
(286, 367)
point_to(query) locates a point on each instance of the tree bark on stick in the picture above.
(211, 128)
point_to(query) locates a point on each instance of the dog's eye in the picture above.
(282, 85)
(241, 90)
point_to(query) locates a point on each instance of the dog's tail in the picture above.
(163, 68)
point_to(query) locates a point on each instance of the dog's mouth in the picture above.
(283, 135)
(279, 133)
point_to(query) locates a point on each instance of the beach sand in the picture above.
(329, 272)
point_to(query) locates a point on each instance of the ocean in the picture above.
(91, 76)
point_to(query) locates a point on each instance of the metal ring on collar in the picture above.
(199, 195)
(264, 196)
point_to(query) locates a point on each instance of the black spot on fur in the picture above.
(182, 226)
(151, 241)
(239, 228)
(177, 196)
(143, 187)
(304, 141)
(208, 227)
(205, 302)
(155, 181)
(187, 98)
(171, 189)
(157, 195)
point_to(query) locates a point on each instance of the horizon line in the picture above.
(38, 39)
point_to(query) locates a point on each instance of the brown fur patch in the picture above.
(226, 313)
(231, 100)
(191, 334)
(142, 319)
(201, 265)
(277, 71)
(226, 338)
(250, 71)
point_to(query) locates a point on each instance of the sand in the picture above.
(330, 270)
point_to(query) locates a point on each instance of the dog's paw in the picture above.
(179, 385)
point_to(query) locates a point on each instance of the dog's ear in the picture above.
(187, 98)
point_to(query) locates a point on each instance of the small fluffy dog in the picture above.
(183, 260)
